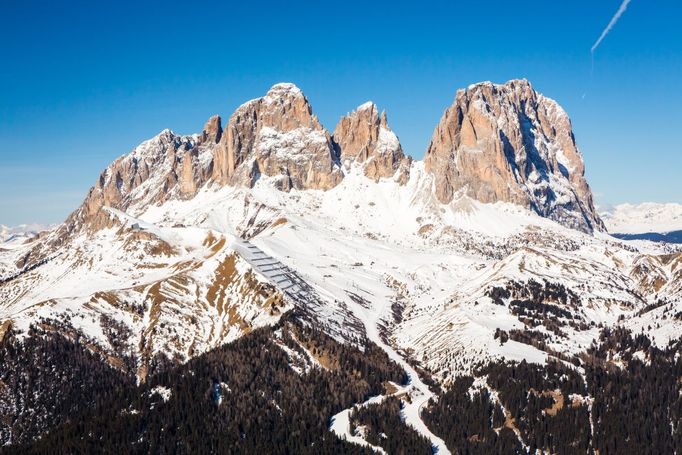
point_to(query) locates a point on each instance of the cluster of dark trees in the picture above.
(26, 269)
(628, 401)
(537, 309)
(538, 398)
(551, 305)
(46, 378)
(386, 429)
(624, 396)
(243, 397)
(470, 423)
(534, 292)
(637, 405)
(652, 306)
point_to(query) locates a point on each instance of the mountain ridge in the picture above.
(643, 218)
(191, 243)
(278, 135)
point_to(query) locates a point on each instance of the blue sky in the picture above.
(84, 82)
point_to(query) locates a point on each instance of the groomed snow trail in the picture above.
(419, 392)
(287, 280)
(340, 425)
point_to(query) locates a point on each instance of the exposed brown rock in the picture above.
(277, 136)
(509, 143)
(188, 180)
(365, 137)
(213, 130)
(166, 166)
(496, 143)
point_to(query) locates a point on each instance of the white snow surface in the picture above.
(11, 236)
(643, 218)
(340, 425)
(379, 260)
(162, 391)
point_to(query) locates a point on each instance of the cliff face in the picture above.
(495, 143)
(277, 136)
(365, 137)
(509, 143)
(164, 167)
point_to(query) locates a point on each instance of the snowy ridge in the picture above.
(177, 292)
(381, 241)
(15, 235)
(643, 218)
(441, 287)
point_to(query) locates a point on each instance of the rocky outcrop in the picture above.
(655, 275)
(495, 143)
(277, 136)
(167, 166)
(509, 143)
(126, 179)
(364, 136)
(213, 131)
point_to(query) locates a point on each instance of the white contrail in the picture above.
(608, 28)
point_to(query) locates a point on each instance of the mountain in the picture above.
(509, 143)
(327, 293)
(20, 233)
(279, 137)
(364, 136)
(646, 221)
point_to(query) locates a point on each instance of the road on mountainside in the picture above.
(295, 287)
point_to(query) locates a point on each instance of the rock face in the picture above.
(213, 130)
(164, 159)
(495, 143)
(277, 136)
(164, 167)
(365, 137)
(509, 143)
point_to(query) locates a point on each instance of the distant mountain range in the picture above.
(20, 233)
(646, 221)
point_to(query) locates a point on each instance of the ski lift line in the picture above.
(288, 280)
(286, 275)
(260, 264)
(265, 258)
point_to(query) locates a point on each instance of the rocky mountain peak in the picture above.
(212, 130)
(277, 136)
(497, 142)
(282, 89)
(365, 137)
(285, 108)
(158, 169)
(506, 142)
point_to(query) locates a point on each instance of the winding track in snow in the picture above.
(418, 390)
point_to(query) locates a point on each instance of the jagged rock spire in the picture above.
(213, 130)
(509, 143)
(364, 136)
(277, 136)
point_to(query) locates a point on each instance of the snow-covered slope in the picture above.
(422, 270)
(13, 235)
(164, 261)
(643, 218)
(139, 293)
(155, 249)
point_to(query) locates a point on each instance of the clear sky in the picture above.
(83, 82)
